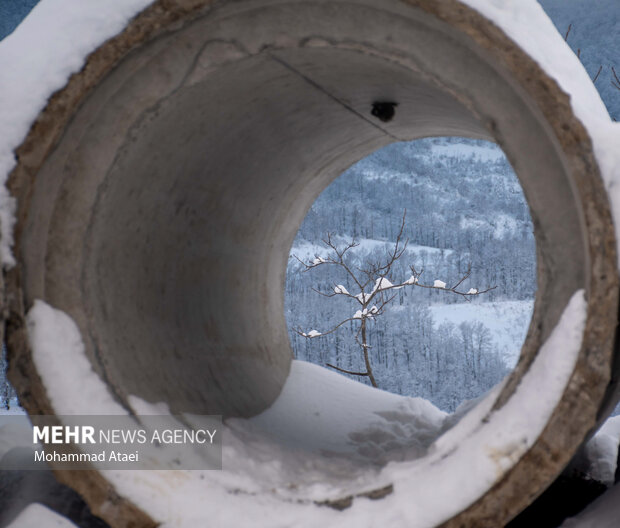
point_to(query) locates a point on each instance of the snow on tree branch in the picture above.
(372, 304)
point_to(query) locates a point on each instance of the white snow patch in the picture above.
(340, 289)
(362, 298)
(58, 353)
(49, 45)
(322, 438)
(38, 516)
(319, 410)
(602, 451)
(365, 313)
(439, 284)
(382, 284)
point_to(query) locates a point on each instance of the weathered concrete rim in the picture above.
(576, 415)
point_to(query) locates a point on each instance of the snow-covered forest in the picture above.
(464, 205)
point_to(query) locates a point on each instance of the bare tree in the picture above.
(614, 80)
(375, 290)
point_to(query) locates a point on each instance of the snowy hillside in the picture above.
(507, 321)
(464, 207)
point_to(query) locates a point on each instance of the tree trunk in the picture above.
(365, 349)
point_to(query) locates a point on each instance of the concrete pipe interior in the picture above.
(162, 216)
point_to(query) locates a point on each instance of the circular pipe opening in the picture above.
(464, 222)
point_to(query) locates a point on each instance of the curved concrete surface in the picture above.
(160, 191)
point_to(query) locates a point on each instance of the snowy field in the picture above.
(508, 322)
(325, 437)
(38, 516)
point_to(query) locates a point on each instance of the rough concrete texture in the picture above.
(159, 193)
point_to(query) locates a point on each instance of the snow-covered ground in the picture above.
(341, 416)
(507, 321)
(38, 516)
(601, 452)
(269, 479)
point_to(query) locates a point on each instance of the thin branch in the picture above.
(317, 262)
(381, 307)
(600, 69)
(452, 289)
(321, 334)
(340, 253)
(615, 81)
(340, 260)
(323, 293)
(361, 344)
(334, 294)
(396, 253)
(570, 26)
(348, 371)
(464, 277)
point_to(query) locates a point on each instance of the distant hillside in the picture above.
(460, 195)
(464, 206)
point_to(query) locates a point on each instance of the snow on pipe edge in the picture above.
(588, 371)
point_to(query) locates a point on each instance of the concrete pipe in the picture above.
(160, 190)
